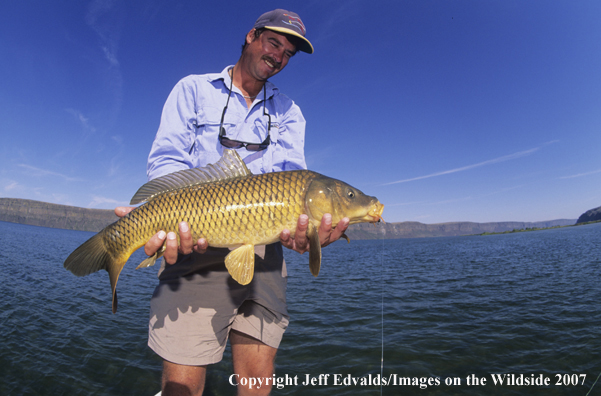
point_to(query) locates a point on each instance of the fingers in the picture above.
(185, 246)
(325, 229)
(121, 211)
(186, 243)
(327, 234)
(301, 243)
(339, 230)
(171, 248)
(155, 243)
(201, 246)
(285, 239)
(185, 238)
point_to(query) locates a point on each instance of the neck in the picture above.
(244, 82)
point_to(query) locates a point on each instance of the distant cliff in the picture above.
(25, 211)
(590, 215)
(44, 214)
(412, 229)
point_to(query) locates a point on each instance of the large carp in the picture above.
(230, 207)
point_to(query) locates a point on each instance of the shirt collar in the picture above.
(224, 75)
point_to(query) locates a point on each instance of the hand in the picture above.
(327, 235)
(170, 240)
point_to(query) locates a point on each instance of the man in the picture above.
(197, 305)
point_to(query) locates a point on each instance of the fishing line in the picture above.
(382, 235)
(592, 386)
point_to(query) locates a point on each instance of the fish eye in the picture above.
(350, 194)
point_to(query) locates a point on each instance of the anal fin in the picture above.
(240, 263)
(150, 261)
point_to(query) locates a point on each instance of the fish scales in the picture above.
(230, 207)
(225, 213)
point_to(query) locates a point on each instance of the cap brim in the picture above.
(305, 45)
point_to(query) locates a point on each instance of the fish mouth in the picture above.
(375, 213)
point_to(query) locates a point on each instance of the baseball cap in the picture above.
(286, 22)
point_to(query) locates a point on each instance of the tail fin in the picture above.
(92, 256)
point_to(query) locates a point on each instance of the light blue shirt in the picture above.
(189, 129)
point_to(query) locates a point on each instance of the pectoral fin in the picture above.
(150, 261)
(344, 236)
(314, 250)
(240, 263)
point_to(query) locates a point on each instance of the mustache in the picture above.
(278, 65)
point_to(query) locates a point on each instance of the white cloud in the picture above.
(468, 167)
(38, 172)
(407, 203)
(11, 186)
(581, 174)
(88, 128)
(110, 56)
(100, 201)
(106, 19)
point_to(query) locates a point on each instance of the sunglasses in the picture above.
(236, 144)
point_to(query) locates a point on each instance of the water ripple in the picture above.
(516, 303)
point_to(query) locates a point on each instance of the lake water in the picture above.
(439, 310)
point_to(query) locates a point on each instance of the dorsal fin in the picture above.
(229, 166)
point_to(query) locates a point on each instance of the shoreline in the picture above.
(38, 213)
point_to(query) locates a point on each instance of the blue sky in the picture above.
(445, 110)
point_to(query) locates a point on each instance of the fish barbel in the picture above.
(228, 206)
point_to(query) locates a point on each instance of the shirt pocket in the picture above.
(208, 120)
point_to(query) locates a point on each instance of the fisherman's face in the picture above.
(268, 54)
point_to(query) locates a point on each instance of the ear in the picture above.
(250, 36)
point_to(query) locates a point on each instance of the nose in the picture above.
(278, 55)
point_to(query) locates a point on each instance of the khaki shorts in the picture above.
(197, 303)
